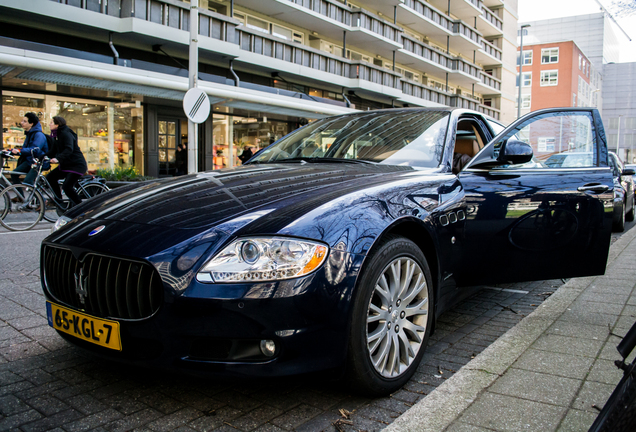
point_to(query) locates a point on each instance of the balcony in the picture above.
(465, 10)
(332, 18)
(424, 92)
(490, 111)
(488, 23)
(423, 57)
(488, 54)
(488, 84)
(464, 73)
(493, 3)
(465, 39)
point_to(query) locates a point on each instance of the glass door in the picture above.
(168, 133)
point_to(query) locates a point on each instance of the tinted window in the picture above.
(413, 138)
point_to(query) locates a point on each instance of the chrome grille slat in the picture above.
(115, 288)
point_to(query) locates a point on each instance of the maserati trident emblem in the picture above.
(79, 286)
(97, 230)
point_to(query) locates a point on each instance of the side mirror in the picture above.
(515, 152)
(628, 171)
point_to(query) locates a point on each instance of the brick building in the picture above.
(557, 74)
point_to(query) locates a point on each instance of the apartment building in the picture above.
(115, 69)
(557, 74)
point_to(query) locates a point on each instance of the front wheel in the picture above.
(392, 318)
(23, 207)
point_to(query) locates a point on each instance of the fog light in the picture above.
(268, 347)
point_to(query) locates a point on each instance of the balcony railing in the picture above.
(492, 18)
(425, 51)
(328, 8)
(491, 81)
(363, 19)
(281, 49)
(430, 13)
(490, 49)
(353, 17)
(461, 28)
(492, 112)
(421, 91)
(459, 64)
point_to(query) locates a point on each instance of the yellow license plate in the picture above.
(95, 330)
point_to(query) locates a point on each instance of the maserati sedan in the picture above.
(335, 248)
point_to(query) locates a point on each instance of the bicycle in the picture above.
(24, 205)
(87, 187)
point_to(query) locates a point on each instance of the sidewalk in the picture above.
(551, 370)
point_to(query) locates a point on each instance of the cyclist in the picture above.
(67, 153)
(35, 145)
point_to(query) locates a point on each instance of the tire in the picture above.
(619, 225)
(382, 356)
(89, 190)
(19, 215)
(629, 216)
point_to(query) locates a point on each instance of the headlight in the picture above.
(259, 259)
(62, 220)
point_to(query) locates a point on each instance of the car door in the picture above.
(530, 221)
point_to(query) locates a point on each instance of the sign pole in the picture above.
(193, 73)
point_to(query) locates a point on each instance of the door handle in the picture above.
(593, 187)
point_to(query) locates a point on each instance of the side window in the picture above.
(559, 140)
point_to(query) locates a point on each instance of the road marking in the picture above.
(508, 290)
(24, 232)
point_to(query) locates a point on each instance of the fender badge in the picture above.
(97, 230)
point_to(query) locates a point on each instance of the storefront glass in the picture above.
(91, 120)
(243, 132)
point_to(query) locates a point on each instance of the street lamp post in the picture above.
(618, 134)
(193, 75)
(521, 60)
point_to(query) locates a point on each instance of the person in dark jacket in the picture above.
(67, 153)
(35, 145)
(246, 155)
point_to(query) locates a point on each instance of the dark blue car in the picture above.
(336, 248)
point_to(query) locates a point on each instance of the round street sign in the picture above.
(196, 105)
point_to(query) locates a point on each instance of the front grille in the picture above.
(101, 285)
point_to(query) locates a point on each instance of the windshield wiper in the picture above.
(323, 160)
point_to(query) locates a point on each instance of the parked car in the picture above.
(335, 248)
(624, 205)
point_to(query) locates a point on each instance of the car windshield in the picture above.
(405, 137)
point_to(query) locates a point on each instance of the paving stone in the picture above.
(592, 394)
(10, 405)
(135, 420)
(52, 421)
(555, 363)
(48, 404)
(537, 387)
(13, 422)
(92, 421)
(568, 345)
(584, 331)
(176, 419)
(214, 419)
(464, 427)
(605, 371)
(577, 421)
(505, 413)
(296, 416)
(321, 422)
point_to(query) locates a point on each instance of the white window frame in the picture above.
(546, 73)
(527, 56)
(526, 76)
(550, 54)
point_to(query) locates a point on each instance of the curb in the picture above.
(447, 402)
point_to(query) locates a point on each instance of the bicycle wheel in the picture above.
(53, 212)
(24, 207)
(89, 190)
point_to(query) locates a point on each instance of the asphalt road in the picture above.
(47, 384)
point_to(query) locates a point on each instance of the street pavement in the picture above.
(47, 384)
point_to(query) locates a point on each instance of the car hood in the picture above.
(201, 201)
